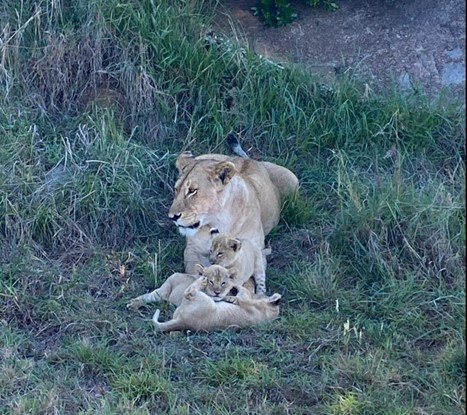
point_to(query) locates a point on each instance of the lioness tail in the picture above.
(235, 146)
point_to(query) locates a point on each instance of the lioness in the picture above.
(232, 195)
(240, 254)
(198, 311)
(220, 283)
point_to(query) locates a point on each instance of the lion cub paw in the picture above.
(199, 285)
(135, 303)
(231, 299)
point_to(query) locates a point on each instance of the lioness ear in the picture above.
(199, 269)
(235, 244)
(224, 171)
(183, 160)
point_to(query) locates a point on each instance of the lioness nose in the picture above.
(174, 217)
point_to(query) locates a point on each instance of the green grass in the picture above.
(97, 99)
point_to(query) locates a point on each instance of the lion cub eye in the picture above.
(210, 282)
(222, 284)
(220, 254)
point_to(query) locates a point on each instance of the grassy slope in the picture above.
(96, 100)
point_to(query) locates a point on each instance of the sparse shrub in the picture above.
(276, 13)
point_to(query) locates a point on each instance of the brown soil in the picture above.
(410, 42)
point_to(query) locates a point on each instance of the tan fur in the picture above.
(171, 290)
(232, 195)
(240, 254)
(220, 282)
(198, 311)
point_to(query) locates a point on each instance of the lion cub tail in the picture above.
(159, 326)
(171, 325)
(155, 317)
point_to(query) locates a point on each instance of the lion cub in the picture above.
(199, 311)
(220, 282)
(242, 255)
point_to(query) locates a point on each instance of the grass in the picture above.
(96, 101)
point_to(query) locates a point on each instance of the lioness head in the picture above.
(224, 250)
(197, 190)
(219, 280)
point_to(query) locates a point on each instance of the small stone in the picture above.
(404, 80)
(455, 53)
(453, 73)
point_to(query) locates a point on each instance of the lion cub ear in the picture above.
(183, 160)
(223, 172)
(275, 299)
(199, 269)
(235, 244)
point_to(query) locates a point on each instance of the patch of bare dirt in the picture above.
(410, 42)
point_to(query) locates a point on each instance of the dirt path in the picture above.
(409, 41)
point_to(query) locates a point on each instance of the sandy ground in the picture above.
(411, 42)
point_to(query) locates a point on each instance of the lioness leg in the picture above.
(244, 294)
(285, 181)
(250, 285)
(192, 256)
(260, 274)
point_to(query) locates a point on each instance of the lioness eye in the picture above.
(191, 191)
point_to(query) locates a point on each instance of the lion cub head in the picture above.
(224, 250)
(220, 281)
